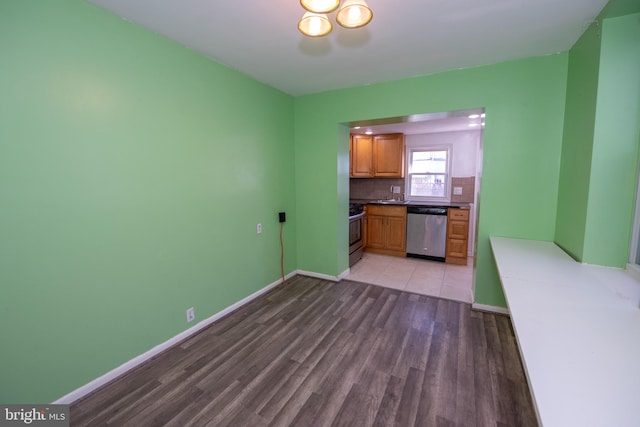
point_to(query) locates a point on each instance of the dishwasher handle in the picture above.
(426, 210)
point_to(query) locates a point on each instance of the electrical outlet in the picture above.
(259, 229)
(191, 314)
(457, 191)
(396, 189)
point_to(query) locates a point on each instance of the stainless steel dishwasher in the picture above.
(426, 232)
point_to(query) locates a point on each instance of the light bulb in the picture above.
(320, 6)
(314, 25)
(354, 14)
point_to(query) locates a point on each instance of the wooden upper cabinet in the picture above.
(362, 156)
(379, 156)
(388, 155)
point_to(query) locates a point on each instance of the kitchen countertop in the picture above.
(410, 203)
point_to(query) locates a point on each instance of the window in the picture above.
(428, 173)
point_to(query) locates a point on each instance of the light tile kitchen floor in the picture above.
(415, 275)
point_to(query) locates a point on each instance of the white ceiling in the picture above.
(406, 38)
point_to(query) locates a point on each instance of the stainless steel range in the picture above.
(356, 247)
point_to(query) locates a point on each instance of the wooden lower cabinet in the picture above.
(376, 231)
(457, 236)
(386, 230)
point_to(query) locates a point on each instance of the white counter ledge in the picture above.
(578, 329)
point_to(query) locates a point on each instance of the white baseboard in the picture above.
(321, 276)
(138, 360)
(490, 308)
(344, 274)
(633, 270)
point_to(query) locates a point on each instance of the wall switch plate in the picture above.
(457, 191)
(396, 189)
(259, 229)
(191, 314)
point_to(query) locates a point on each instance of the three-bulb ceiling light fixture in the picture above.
(352, 14)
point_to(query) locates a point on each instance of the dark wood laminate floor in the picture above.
(318, 353)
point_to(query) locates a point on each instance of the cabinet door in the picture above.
(457, 248)
(388, 155)
(396, 234)
(459, 214)
(361, 156)
(458, 230)
(375, 231)
(350, 156)
(457, 236)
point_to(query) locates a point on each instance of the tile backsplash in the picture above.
(374, 188)
(466, 188)
(380, 188)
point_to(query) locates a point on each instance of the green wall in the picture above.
(615, 144)
(600, 146)
(133, 173)
(524, 103)
(573, 194)
(616, 8)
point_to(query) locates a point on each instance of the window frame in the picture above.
(634, 245)
(409, 150)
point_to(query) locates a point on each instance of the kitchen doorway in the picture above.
(463, 133)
